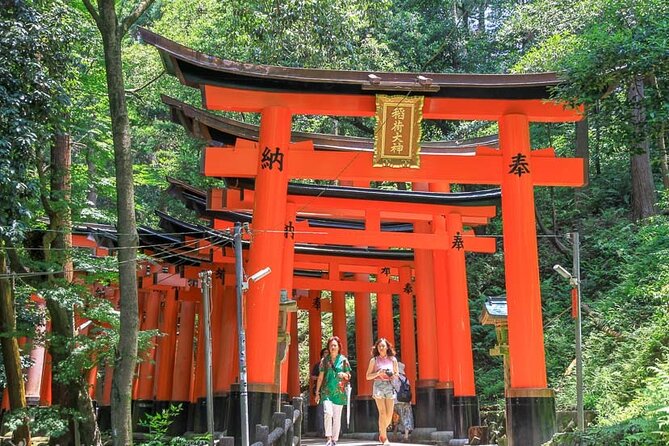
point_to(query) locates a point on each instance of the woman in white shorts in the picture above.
(382, 369)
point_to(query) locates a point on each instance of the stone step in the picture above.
(441, 437)
(422, 433)
(367, 436)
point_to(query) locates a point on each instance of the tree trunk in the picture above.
(643, 189)
(92, 195)
(126, 355)
(481, 17)
(583, 152)
(58, 246)
(582, 147)
(664, 161)
(598, 140)
(10, 351)
(661, 142)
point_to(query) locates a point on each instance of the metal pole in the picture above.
(205, 276)
(580, 416)
(243, 387)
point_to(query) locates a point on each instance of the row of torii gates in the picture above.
(262, 168)
(344, 239)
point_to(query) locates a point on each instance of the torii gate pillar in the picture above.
(315, 346)
(444, 388)
(365, 412)
(339, 318)
(384, 311)
(286, 312)
(428, 373)
(166, 351)
(262, 300)
(530, 405)
(182, 377)
(465, 402)
(407, 327)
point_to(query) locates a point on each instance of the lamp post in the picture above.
(575, 282)
(239, 288)
(205, 277)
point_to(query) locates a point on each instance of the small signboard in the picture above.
(397, 135)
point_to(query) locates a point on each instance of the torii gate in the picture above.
(333, 200)
(277, 93)
(164, 377)
(417, 210)
(453, 379)
(439, 239)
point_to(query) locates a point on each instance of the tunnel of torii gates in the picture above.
(297, 231)
(279, 93)
(169, 291)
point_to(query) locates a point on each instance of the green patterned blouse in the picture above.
(333, 387)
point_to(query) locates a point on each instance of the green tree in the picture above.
(37, 70)
(113, 27)
(613, 56)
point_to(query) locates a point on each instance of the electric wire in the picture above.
(221, 244)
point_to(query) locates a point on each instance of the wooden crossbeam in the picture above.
(370, 238)
(487, 167)
(537, 110)
(306, 283)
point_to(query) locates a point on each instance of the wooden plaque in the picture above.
(397, 134)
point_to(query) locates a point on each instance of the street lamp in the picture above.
(205, 277)
(575, 282)
(241, 286)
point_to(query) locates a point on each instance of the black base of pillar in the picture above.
(190, 419)
(365, 415)
(530, 420)
(141, 408)
(465, 414)
(425, 403)
(314, 424)
(220, 412)
(261, 406)
(443, 409)
(200, 416)
(104, 418)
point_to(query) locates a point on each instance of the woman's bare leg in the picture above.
(383, 425)
(389, 405)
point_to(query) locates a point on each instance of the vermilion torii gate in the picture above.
(406, 206)
(452, 373)
(277, 93)
(179, 377)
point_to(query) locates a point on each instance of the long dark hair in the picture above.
(390, 351)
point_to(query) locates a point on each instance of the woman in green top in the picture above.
(335, 372)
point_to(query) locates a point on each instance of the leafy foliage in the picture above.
(52, 79)
(158, 425)
(35, 67)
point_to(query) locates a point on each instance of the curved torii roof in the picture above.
(196, 69)
(166, 246)
(196, 200)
